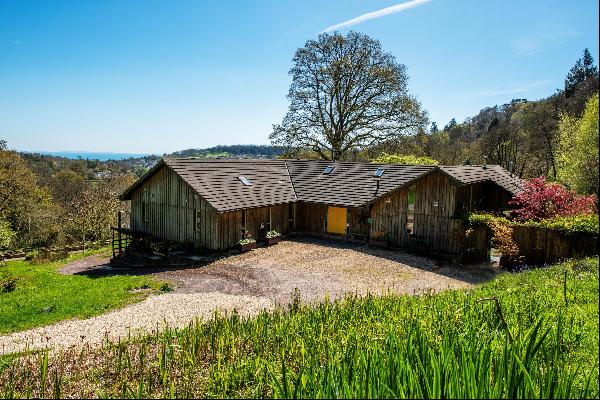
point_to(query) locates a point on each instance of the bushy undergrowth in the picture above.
(539, 340)
(570, 225)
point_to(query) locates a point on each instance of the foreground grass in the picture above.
(43, 296)
(542, 342)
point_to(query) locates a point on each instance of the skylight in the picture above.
(245, 181)
(379, 172)
(328, 169)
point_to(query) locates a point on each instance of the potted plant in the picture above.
(379, 239)
(247, 244)
(273, 237)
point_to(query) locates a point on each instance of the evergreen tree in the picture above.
(450, 124)
(581, 82)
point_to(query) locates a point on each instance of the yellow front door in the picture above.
(336, 220)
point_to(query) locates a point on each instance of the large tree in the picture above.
(346, 94)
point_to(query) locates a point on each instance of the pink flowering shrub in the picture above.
(542, 200)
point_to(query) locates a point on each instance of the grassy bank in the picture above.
(37, 294)
(541, 342)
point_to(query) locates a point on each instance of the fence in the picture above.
(543, 246)
(537, 246)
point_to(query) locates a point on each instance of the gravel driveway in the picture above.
(250, 282)
(319, 267)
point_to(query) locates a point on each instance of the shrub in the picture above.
(273, 234)
(501, 229)
(166, 287)
(542, 200)
(8, 285)
(248, 240)
(46, 255)
(569, 225)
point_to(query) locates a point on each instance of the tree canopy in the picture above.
(404, 159)
(347, 93)
(578, 149)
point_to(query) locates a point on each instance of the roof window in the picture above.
(328, 169)
(245, 181)
(379, 172)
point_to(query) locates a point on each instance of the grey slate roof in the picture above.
(217, 181)
(467, 174)
(350, 184)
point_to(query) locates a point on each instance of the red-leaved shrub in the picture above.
(541, 200)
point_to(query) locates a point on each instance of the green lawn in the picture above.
(448, 345)
(42, 296)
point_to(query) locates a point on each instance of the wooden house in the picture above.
(213, 204)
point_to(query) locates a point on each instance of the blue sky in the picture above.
(158, 76)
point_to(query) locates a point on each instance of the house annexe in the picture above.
(214, 203)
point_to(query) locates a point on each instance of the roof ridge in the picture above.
(290, 178)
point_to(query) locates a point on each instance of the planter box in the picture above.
(383, 244)
(272, 240)
(246, 247)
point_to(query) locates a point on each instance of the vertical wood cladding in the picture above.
(229, 224)
(311, 217)
(434, 222)
(166, 207)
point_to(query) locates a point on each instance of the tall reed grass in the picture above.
(447, 345)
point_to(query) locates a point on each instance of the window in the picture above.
(379, 172)
(245, 181)
(410, 214)
(328, 169)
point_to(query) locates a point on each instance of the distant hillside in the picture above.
(233, 151)
(101, 156)
(93, 165)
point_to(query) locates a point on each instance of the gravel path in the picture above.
(173, 309)
(250, 282)
(318, 267)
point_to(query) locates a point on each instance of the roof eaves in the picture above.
(142, 179)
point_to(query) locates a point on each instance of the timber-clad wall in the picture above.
(170, 203)
(229, 225)
(436, 227)
(311, 217)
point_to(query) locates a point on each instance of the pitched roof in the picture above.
(349, 184)
(218, 181)
(467, 174)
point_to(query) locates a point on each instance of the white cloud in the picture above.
(505, 91)
(534, 44)
(376, 14)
